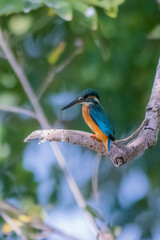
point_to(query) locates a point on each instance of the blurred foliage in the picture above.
(28, 225)
(118, 57)
(22, 220)
(155, 33)
(64, 8)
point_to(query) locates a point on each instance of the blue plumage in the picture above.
(89, 92)
(102, 120)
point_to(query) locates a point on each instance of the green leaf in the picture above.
(86, 15)
(155, 33)
(112, 12)
(62, 8)
(31, 5)
(8, 6)
(106, 4)
(16, 6)
(93, 212)
(112, 9)
(114, 230)
(4, 150)
(116, 2)
(56, 53)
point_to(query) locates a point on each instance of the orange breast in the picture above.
(92, 124)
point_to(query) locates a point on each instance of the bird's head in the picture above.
(87, 96)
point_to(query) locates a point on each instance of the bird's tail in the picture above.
(107, 144)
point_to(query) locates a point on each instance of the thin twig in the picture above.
(44, 123)
(51, 75)
(48, 229)
(19, 110)
(9, 207)
(95, 178)
(68, 60)
(16, 228)
(23, 80)
(139, 129)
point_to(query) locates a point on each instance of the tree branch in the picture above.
(119, 154)
(19, 110)
(16, 228)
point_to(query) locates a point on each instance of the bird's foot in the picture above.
(94, 137)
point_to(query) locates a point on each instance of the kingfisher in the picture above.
(94, 116)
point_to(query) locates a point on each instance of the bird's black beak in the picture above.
(74, 102)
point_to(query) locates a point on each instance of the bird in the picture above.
(95, 116)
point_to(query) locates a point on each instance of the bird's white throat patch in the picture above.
(87, 103)
(96, 99)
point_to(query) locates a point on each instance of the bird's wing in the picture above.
(102, 120)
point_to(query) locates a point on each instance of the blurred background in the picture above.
(65, 47)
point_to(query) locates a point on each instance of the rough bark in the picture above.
(121, 152)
